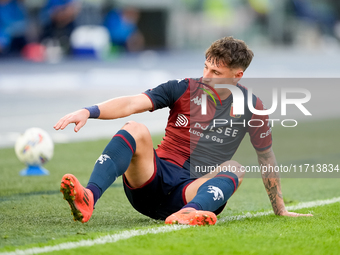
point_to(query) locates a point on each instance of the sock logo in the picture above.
(218, 194)
(102, 158)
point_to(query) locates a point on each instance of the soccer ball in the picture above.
(34, 147)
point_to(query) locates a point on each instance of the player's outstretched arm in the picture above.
(111, 109)
(271, 181)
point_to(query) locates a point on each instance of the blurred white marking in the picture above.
(101, 240)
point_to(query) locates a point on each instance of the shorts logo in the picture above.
(181, 121)
(102, 158)
(218, 194)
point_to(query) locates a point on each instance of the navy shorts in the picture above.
(164, 193)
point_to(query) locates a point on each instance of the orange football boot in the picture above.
(79, 198)
(191, 216)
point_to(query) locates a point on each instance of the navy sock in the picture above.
(215, 192)
(113, 162)
(95, 191)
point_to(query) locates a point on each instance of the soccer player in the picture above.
(189, 178)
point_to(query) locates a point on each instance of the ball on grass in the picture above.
(34, 147)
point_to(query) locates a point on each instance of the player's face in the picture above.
(220, 74)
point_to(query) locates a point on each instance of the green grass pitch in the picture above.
(33, 213)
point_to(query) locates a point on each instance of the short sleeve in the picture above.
(166, 94)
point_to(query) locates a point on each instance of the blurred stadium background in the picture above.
(57, 56)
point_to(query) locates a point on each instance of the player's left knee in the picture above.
(138, 130)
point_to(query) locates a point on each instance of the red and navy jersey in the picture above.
(192, 139)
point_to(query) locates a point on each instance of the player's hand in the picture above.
(79, 118)
(293, 214)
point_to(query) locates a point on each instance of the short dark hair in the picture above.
(231, 52)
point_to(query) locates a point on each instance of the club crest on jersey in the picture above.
(232, 112)
(181, 121)
(218, 194)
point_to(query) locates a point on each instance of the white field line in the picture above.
(289, 208)
(158, 230)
